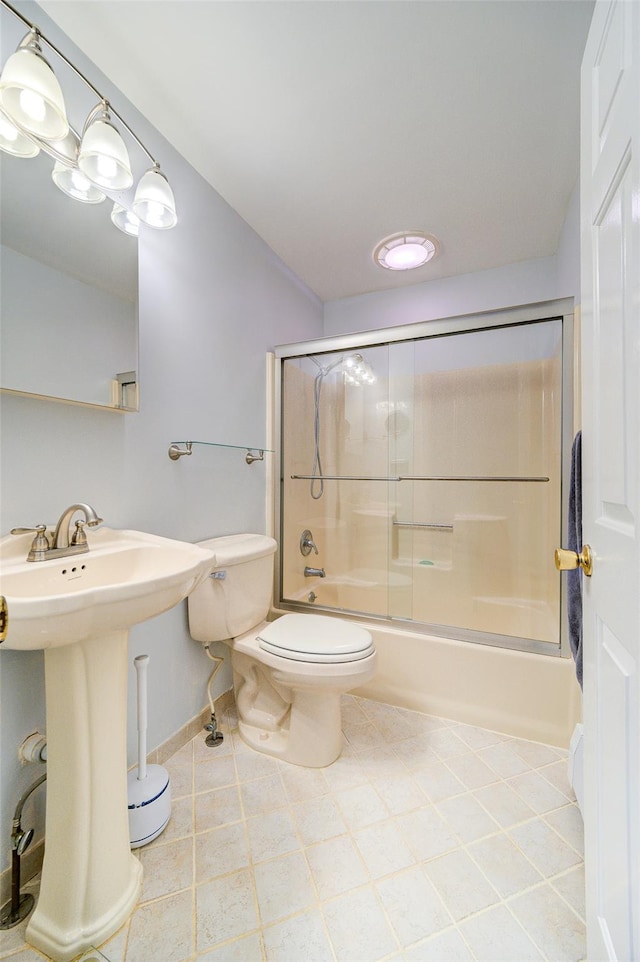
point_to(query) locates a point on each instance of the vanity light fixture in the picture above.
(30, 92)
(406, 250)
(125, 220)
(154, 202)
(103, 157)
(33, 116)
(14, 142)
(73, 182)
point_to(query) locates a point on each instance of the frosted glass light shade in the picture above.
(125, 220)
(12, 141)
(103, 156)
(65, 150)
(30, 93)
(73, 182)
(154, 202)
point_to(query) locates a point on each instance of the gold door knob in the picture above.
(4, 618)
(568, 560)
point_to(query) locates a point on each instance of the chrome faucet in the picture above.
(63, 543)
(314, 573)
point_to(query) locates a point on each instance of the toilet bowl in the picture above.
(288, 674)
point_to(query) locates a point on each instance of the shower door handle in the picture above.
(568, 560)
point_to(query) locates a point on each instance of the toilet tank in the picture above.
(238, 598)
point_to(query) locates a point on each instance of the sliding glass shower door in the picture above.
(428, 471)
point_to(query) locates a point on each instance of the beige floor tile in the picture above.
(449, 946)
(426, 833)
(301, 937)
(460, 884)
(247, 949)
(467, 818)
(272, 835)
(221, 851)
(383, 849)
(167, 868)
(504, 805)
(539, 794)
(263, 795)
(504, 865)
(544, 847)
(284, 887)
(495, 936)
(318, 819)
(336, 867)
(163, 930)
(551, 924)
(361, 806)
(568, 822)
(225, 909)
(357, 927)
(243, 819)
(413, 906)
(216, 808)
(571, 888)
(216, 772)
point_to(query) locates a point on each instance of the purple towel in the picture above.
(574, 543)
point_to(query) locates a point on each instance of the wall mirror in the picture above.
(69, 293)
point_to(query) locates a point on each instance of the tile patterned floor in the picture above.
(427, 841)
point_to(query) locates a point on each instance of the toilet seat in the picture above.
(315, 639)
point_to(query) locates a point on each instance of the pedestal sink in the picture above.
(79, 610)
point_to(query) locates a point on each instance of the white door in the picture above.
(610, 205)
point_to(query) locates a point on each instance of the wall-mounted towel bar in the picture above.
(408, 477)
(253, 453)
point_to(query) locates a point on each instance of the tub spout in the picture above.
(314, 572)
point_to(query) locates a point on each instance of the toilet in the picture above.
(288, 674)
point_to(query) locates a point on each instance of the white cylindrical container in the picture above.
(148, 787)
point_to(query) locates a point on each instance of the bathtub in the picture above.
(519, 693)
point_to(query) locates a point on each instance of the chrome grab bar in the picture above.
(421, 524)
(407, 477)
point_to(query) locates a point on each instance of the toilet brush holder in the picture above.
(148, 787)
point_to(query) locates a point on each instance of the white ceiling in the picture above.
(329, 124)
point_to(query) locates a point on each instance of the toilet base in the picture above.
(311, 741)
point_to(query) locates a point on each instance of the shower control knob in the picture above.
(307, 544)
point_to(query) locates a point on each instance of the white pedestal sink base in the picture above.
(90, 879)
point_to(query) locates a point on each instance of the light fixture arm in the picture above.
(103, 100)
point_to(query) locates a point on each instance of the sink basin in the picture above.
(79, 610)
(124, 578)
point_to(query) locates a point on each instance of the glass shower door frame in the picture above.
(550, 310)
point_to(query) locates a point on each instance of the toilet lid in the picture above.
(315, 638)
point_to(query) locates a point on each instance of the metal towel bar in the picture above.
(406, 477)
(421, 524)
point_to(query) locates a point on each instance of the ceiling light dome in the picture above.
(406, 250)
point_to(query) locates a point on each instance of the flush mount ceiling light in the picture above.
(33, 117)
(406, 250)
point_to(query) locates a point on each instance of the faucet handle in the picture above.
(79, 536)
(40, 544)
